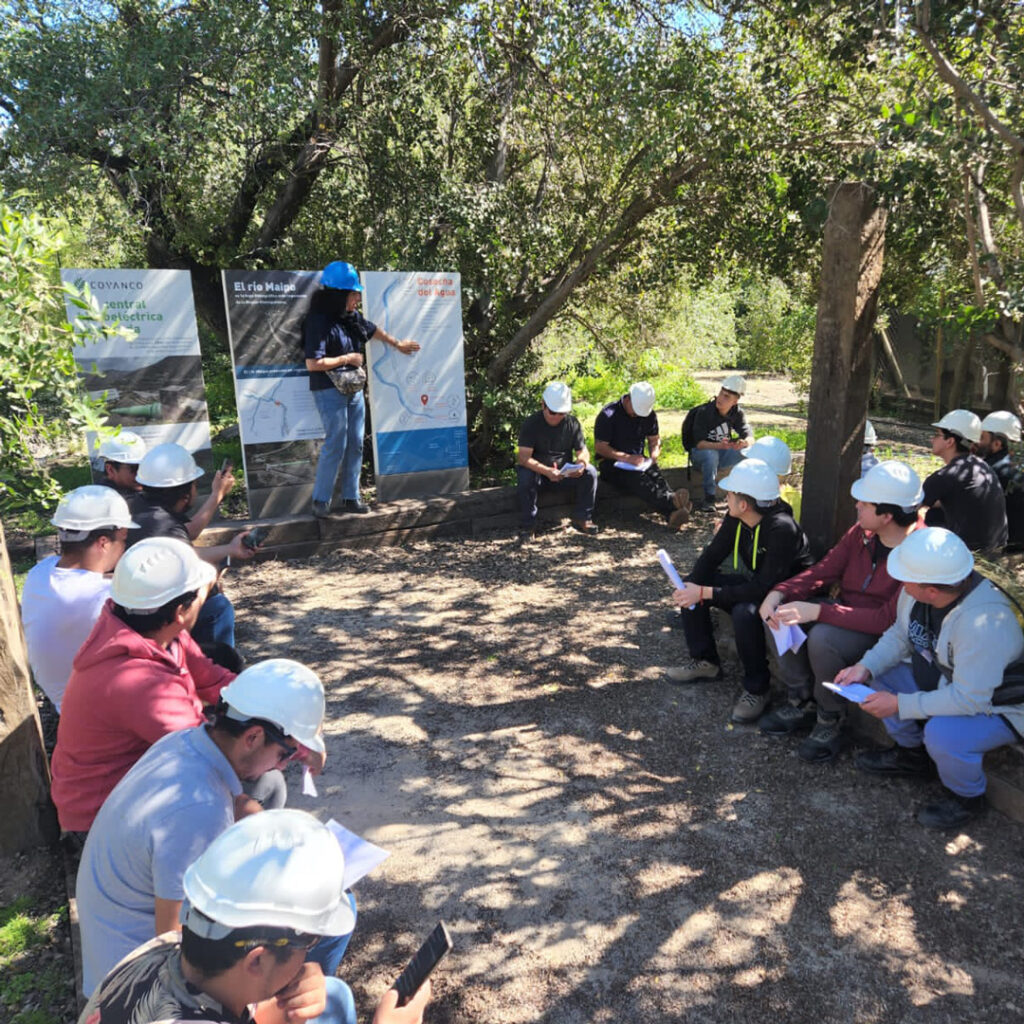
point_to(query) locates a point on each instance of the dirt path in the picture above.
(604, 846)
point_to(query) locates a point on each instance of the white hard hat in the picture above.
(870, 436)
(558, 397)
(126, 446)
(167, 465)
(92, 507)
(752, 477)
(890, 483)
(283, 692)
(1004, 423)
(641, 394)
(276, 869)
(155, 570)
(772, 450)
(735, 382)
(930, 555)
(961, 422)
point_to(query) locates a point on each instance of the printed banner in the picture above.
(277, 418)
(417, 402)
(154, 384)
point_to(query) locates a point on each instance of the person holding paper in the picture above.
(765, 546)
(840, 629)
(264, 894)
(553, 453)
(936, 671)
(621, 432)
(180, 796)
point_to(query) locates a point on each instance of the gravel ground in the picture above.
(603, 844)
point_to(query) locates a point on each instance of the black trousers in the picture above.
(650, 485)
(747, 625)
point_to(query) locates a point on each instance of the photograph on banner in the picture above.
(154, 384)
(277, 416)
(418, 403)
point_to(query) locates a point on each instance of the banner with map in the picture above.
(417, 402)
(153, 385)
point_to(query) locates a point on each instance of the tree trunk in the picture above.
(961, 374)
(29, 818)
(851, 258)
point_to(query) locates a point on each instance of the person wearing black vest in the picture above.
(998, 429)
(959, 633)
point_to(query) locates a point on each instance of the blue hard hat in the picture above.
(341, 275)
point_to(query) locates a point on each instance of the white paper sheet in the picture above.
(361, 857)
(857, 692)
(308, 785)
(642, 468)
(788, 638)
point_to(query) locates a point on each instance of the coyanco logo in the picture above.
(99, 286)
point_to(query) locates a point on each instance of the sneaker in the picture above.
(693, 669)
(951, 811)
(706, 507)
(750, 707)
(788, 718)
(681, 498)
(823, 744)
(678, 519)
(910, 762)
(526, 534)
(585, 526)
(321, 509)
(356, 505)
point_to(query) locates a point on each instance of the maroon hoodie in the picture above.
(125, 692)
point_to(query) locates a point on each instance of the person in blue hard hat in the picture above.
(335, 334)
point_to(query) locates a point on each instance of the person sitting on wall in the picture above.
(553, 453)
(840, 629)
(998, 429)
(965, 495)
(715, 433)
(936, 672)
(765, 546)
(117, 459)
(621, 431)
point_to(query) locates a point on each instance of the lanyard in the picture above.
(736, 547)
(875, 544)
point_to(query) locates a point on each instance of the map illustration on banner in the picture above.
(154, 384)
(277, 417)
(418, 402)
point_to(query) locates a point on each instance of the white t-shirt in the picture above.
(58, 610)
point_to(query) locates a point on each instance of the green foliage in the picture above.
(42, 405)
(30, 994)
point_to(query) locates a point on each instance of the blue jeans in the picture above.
(341, 1006)
(216, 621)
(344, 418)
(328, 952)
(955, 743)
(709, 461)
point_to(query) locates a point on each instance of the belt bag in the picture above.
(348, 379)
(1011, 689)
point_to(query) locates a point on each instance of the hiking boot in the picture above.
(951, 811)
(681, 498)
(585, 526)
(321, 509)
(356, 505)
(896, 762)
(788, 718)
(823, 744)
(691, 670)
(750, 707)
(678, 519)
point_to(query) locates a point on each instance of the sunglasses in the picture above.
(272, 733)
(306, 943)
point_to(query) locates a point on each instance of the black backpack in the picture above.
(689, 441)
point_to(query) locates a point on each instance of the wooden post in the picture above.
(29, 817)
(851, 267)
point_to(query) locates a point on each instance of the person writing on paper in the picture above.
(553, 453)
(621, 432)
(935, 673)
(153, 824)
(257, 901)
(764, 545)
(335, 335)
(840, 629)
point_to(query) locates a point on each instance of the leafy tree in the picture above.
(42, 405)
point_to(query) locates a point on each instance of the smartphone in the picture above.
(419, 968)
(254, 538)
(225, 465)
